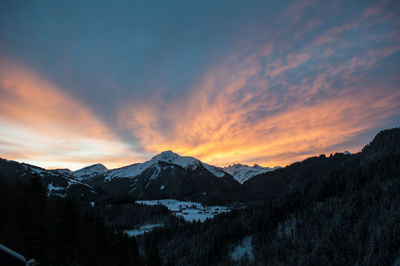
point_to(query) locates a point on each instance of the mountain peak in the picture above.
(97, 168)
(168, 152)
(174, 158)
(243, 172)
(166, 155)
(93, 166)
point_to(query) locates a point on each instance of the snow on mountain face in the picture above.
(243, 173)
(90, 170)
(166, 156)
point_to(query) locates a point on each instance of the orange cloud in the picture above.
(40, 122)
(219, 132)
(247, 110)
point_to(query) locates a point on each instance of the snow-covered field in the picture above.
(190, 211)
(143, 229)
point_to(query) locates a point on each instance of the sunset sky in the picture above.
(267, 82)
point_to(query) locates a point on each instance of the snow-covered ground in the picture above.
(245, 247)
(190, 211)
(142, 229)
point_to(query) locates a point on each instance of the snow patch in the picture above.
(142, 229)
(55, 191)
(76, 182)
(245, 247)
(287, 228)
(156, 172)
(12, 253)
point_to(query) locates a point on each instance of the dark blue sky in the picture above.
(266, 82)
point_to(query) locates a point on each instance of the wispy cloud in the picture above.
(275, 105)
(40, 122)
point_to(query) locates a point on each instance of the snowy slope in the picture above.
(135, 170)
(242, 173)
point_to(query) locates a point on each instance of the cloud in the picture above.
(307, 81)
(40, 122)
(274, 106)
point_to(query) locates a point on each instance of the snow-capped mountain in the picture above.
(166, 174)
(170, 157)
(89, 171)
(242, 172)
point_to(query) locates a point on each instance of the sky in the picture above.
(266, 82)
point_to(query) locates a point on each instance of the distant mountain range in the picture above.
(239, 172)
(166, 175)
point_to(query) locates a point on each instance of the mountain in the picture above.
(171, 175)
(283, 181)
(167, 175)
(242, 172)
(169, 157)
(59, 182)
(89, 171)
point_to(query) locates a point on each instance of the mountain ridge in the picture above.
(243, 172)
(133, 170)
